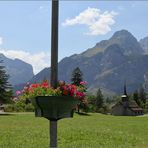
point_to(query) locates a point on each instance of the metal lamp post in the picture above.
(54, 65)
(54, 108)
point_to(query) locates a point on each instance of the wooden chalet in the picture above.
(126, 107)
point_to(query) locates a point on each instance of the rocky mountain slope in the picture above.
(144, 44)
(19, 71)
(108, 64)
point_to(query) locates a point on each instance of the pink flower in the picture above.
(72, 92)
(80, 94)
(18, 92)
(83, 82)
(45, 84)
(34, 85)
(45, 89)
(30, 90)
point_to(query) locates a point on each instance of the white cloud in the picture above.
(38, 61)
(1, 40)
(99, 23)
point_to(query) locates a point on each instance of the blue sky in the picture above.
(25, 26)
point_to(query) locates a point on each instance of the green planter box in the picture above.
(54, 107)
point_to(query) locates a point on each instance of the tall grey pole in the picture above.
(54, 65)
(54, 43)
(53, 134)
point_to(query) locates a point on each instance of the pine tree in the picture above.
(136, 97)
(99, 100)
(142, 97)
(5, 88)
(76, 79)
(76, 76)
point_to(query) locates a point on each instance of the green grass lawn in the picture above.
(94, 131)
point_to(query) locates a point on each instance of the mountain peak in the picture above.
(122, 33)
(127, 41)
(123, 38)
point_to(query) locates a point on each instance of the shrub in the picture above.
(9, 108)
(19, 106)
(146, 110)
(29, 107)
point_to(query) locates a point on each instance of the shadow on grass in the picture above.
(5, 114)
(83, 114)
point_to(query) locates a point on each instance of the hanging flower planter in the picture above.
(54, 104)
(54, 107)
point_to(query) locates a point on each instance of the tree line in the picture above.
(95, 103)
(101, 104)
(5, 87)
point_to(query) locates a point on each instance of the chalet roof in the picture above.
(134, 106)
(136, 109)
(130, 104)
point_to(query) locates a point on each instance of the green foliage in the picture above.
(76, 76)
(9, 108)
(83, 107)
(91, 103)
(140, 97)
(19, 106)
(29, 107)
(99, 100)
(5, 88)
(98, 103)
(108, 100)
(76, 79)
(94, 131)
(136, 97)
(146, 111)
(146, 104)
